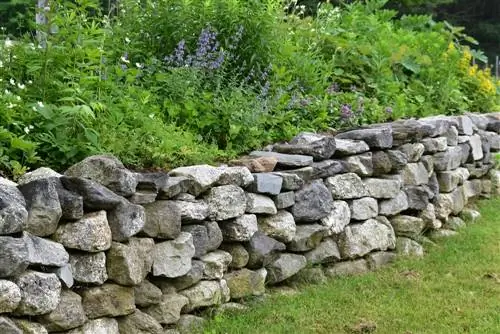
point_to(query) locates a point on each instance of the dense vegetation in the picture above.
(169, 82)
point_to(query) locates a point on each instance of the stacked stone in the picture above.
(102, 249)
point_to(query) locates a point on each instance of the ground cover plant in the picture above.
(174, 82)
(454, 289)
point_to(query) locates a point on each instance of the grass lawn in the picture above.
(454, 289)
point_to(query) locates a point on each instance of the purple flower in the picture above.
(346, 111)
(333, 88)
(388, 110)
(353, 88)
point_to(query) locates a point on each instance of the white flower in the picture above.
(30, 82)
(34, 108)
(139, 65)
(12, 82)
(151, 116)
(10, 105)
(7, 92)
(18, 98)
(127, 40)
(26, 129)
(40, 104)
(8, 43)
(21, 86)
(125, 60)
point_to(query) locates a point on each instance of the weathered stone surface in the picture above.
(239, 176)
(409, 247)
(326, 252)
(453, 202)
(449, 159)
(241, 228)
(124, 264)
(146, 294)
(378, 260)
(360, 239)
(350, 147)
(226, 202)
(108, 300)
(280, 226)
(126, 220)
(95, 196)
(347, 268)
(309, 276)
(319, 147)
(106, 170)
(327, 168)
(68, 314)
(91, 233)
(284, 200)
(454, 224)
(449, 180)
(359, 164)
(479, 121)
(43, 206)
(407, 226)
(45, 252)
(27, 327)
(415, 174)
(374, 137)
(418, 196)
(216, 264)
(10, 296)
(244, 283)
(364, 208)
(428, 162)
(451, 136)
(381, 163)
(305, 173)
(205, 293)
(411, 131)
(395, 205)
(476, 148)
(191, 211)
(163, 220)
(465, 149)
(338, 218)
(204, 176)
(477, 170)
(465, 125)
(256, 165)
(98, 326)
(40, 293)
(139, 323)
(266, 183)
(306, 237)
(470, 216)
(397, 158)
(144, 247)
(189, 323)
(436, 235)
(151, 181)
(8, 326)
(283, 266)
(286, 160)
(13, 214)
(89, 268)
(65, 275)
(428, 214)
(176, 185)
(260, 249)
(214, 235)
(312, 202)
(173, 258)
(433, 145)
(194, 275)
(260, 204)
(239, 255)
(14, 256)
(413, 152)
(346, 186)
(200, 238)
(168, 311)
(71, 203)
(290, 181)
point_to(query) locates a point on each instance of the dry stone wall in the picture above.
(101, 249)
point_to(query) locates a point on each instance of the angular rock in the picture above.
(312, 202)
(465, 125)
(449, 180)
(451, 136)
(89, 268)
(216, 264)
(226, 202)
(395, 205)
(266, 183)
(14, 256)
(176, 185)
(470, 216)
(244, 283)
(126, 220)
(91, 233)
(260, 204)
(98, 326)
(285, 160)
(151, 182)
(428, 162)
(40, 293)
(257, 165)
(327, 168)
(139, 323)
(290, 181)
(280, 226)
(418, 196)
(200, 238)
(194, 275)
(476, 147)
(68, 314)
(338, 218)
(241, 228)
(326, 252)
(146, 294)
(454, 224)
(260, 249)
(428, 214)
(144, 247)
(347, 268)
(309, 276)
(453, 202)
(381, 163)
(163, 220)
(65, 275)
(360, 164)
(346, 186)
(191, 211)
(411, 131)
(205, 176)
(378, 260)
(306, 237)
(168, 311)
(408, 226)
(398, 159)
(45, 252)
(28, 327)
(95, 196)
(173, 258)
(305, 173)
(350, 147)
(284, 200)
(433, 145)
(124, 264)
(374, 137)
(364, 208)
(189, 323)
(239, 176)
(409, 247)
(10, 296)
(7, 326)
(205, 293)
(108, 300)
(13, 214)
(436, 235)
(449, 159)
(43, 206)
(415, 174)
(283, 266)
(360, 239)
(239, 255)
(413, 152)
(318, 146)
(71, 203)
(106, 170)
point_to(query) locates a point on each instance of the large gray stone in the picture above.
(97, 326)
(449, 159)
(378, 260)
(226, 202)
(7, 326)
(450, 180)
(95, 196)
(28, 327)
(285, 160)
(168, 310)
(124, 264)
(350, 147)
(163, 220)
(306, 237)
(126, 220)
(146, 294)
(437, 235)
(173, 258)
(415, 174)
(283, 266)
(241, 228)
(45, 252)
(260, 249)
(144, 247)
(347, 268)
(320, 147)
(189, 323)
(327, 168)
(381, 163)
(68, 314)
(106, 170)
(243, 283)
(139, 323)
(214, 234)
(40, 293)
(476, 147)
(398, 159)
(151, 181)
(418, 196)
(313, 202)
(449, 203)
(204, 177)
(200, 238)
(338, 218)
(290, 181)
(451, 136)
(10, 296)
(89, 268)
(176, 185)
(364, 208)
(433, 145)
(108, 300)
(260, 204)
(266, 183)
(14, 256)
(360, 164)
(408, 226)
(90, 234)
(346, 186)
(375, 137)
(239, 255)
(71, 203)
(465, 125)
(191, 211)
(194, 275)
(413, 152)
(13, 214)
(360, 239)
(454, 224)
(284, 200)
(409, 247)
(216, 264)
(238, 175)
(327, 251)
(43, 206)
(395, 205)
(205, 293)
(280, 226)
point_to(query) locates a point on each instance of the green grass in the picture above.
(454, 289)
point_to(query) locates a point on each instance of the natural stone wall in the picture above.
(102, 249)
